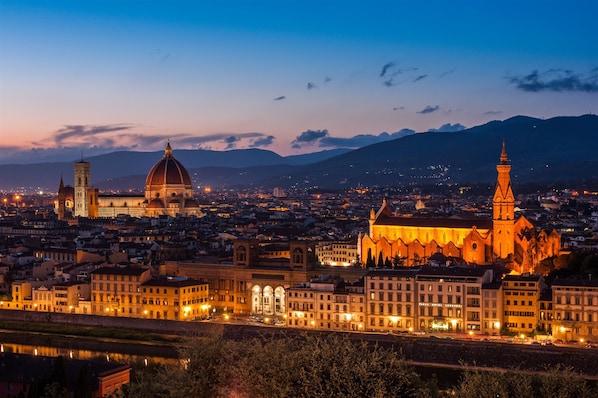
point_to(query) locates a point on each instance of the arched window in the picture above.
(241, 254)
(298, 256)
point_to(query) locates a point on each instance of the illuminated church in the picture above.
(413, 240)
(168, 191)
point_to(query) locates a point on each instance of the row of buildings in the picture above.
(436, 299)
(432, 299)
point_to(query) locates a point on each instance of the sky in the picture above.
(88, 77)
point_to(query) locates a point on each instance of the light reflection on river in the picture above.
(84, 354)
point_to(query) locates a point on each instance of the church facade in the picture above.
(413, 240)
(168, 191)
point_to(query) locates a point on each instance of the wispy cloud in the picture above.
(448, 128)
(429, 109)
(398, 108)
(448, 72)
(557, 80)
(311, 85)
(386, 67)
(390, 73)
(492, 113)
(79, 131)
(420, 77)
(280, 98)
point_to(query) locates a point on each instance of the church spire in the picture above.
(503, 154)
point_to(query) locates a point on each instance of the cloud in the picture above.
(429, 109)
(390, 72)
(86, 131)
(323, 139)
(556, 80)
(386, 67)
(308, 137)
(448, 72)
(327, 80)
(492, 113)
(280, 98)
(231, 141)
(262, 142)
(448, 128)
(398, 108)
(311, 85)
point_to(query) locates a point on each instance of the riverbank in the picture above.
(162, 338)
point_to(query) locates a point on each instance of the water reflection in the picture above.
(77, 353)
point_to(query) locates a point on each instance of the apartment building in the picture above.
(326, 304)
(177, 298)
(521, 302)
(575, 307)
(450, 298)
(117, 290)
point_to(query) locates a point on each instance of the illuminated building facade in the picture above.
(178, 299)
(575, 307)
(117, 291)
(335, 254)
(326, 304)
(521, 302)
(168, 191)
(412, 240)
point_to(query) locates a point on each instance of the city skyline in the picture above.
(103, 76)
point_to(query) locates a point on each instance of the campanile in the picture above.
(503, 209)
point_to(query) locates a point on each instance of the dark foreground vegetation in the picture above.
(331, 366)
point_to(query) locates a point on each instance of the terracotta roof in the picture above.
(576, 282)
(168, 171)
(120, 271)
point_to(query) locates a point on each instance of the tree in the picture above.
(83, 383)
(380, 263)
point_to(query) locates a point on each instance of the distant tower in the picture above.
(503, 209)
(82, 181)
(61, 200)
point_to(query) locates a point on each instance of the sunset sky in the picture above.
(289, 76)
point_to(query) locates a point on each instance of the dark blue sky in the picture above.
(288, 76)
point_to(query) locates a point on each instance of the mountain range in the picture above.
(560, 149)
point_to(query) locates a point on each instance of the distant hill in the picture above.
(127, 169)
(561, 149)
(540, 151)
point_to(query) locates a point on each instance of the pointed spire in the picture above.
(503, 154)
(168, 150)
(61, 186)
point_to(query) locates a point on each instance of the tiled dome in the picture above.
(167, 171)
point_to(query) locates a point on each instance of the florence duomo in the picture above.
(168, 191)
(413, 240)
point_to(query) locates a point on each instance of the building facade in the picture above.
(575, 307)
(412, 241)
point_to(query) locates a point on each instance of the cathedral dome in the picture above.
(167, 171)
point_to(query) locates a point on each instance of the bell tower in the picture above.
(82, 177)
(503, 209)
(61, 200)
